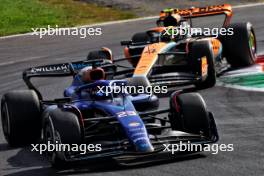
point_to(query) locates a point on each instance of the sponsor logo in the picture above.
(134, 124)
(137, 129)
(52, 68)
(81, 65)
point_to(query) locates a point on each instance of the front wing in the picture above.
(122, 149)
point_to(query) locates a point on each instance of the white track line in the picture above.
(126, 21)
(21, 61)
(248, 5)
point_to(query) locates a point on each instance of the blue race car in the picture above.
(118, 124)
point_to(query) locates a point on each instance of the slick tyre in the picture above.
(188, 113)
(21, 117)
(61, 127)
(240, 48)
(198, 50)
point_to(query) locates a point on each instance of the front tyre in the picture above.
(61, 127)
(203, 50)
(188, 113)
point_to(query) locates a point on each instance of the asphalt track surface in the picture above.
(239, 115)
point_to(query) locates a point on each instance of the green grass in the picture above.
(19, 16)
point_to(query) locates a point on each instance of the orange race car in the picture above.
(177, 53)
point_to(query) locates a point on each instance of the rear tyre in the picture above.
(61, 127)
(240, 48)
(198, 50)
(188, 113)
(21, 117)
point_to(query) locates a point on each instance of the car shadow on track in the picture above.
(101, 168)
(26, 162)
(5, 147)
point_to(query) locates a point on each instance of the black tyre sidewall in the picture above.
(193, 116)
(174, 114)
(24, 113)
(63, 121)
(66, 125)
(198, 50)
(236, 47)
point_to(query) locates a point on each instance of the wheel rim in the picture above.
(5, 121)
(252, 43)
(48, 137)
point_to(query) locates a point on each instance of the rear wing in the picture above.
(63, 70)
(224, 9)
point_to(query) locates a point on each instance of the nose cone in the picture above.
(144, 146)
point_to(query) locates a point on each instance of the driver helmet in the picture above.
(89, 74)
(168, 34)
(172, 19)
(176, 33)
